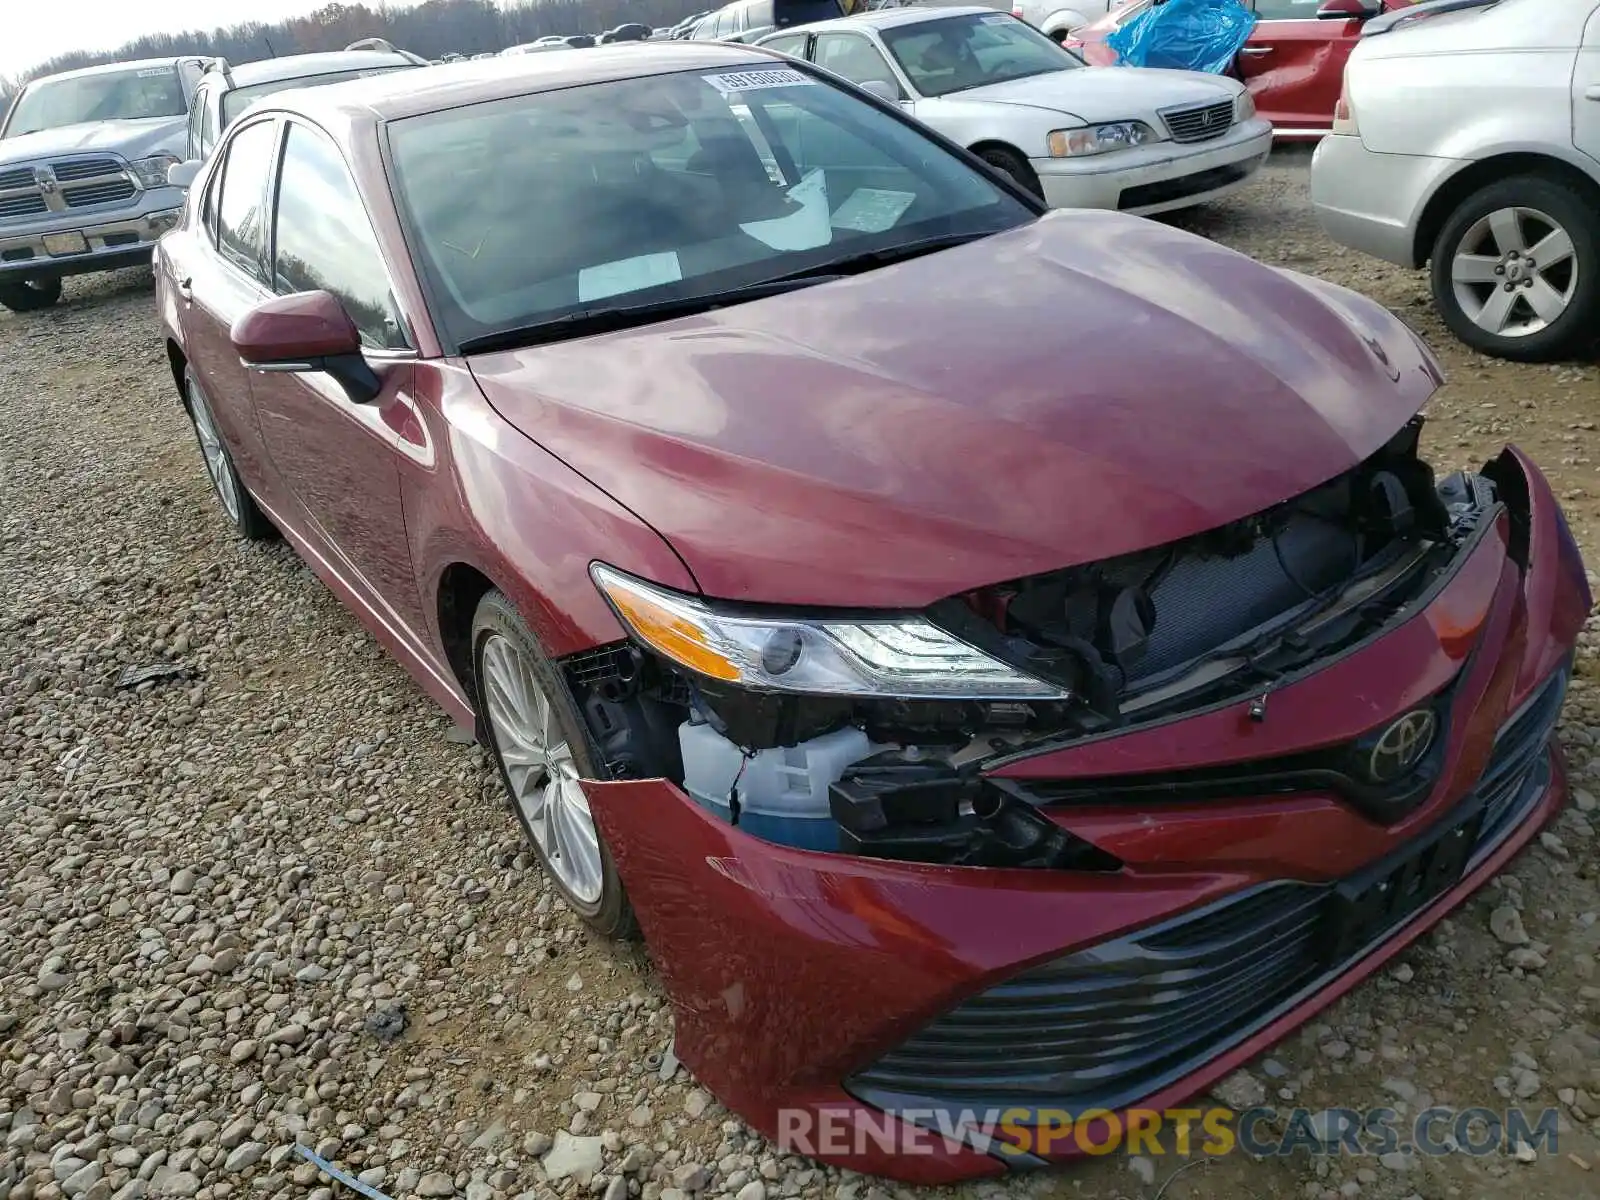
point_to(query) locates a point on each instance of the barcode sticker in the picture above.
(731, 82)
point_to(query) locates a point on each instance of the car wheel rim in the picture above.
(1515, 272)
(540, 769)
(217, 466)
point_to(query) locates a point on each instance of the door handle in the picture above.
(1592, 93)
(1256, 51)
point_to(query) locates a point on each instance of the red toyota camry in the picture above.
(1008, 665)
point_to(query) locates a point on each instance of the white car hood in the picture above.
(1106, 93)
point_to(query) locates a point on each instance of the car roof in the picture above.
(294, 66)
(888, 18)
(131, 65)
(394, 96)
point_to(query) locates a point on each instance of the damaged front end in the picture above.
(878, 736)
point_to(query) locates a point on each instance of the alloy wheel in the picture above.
(1514, 272)
(216, 456)
(540, 767)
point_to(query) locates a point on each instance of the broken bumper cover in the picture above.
(854, 1009)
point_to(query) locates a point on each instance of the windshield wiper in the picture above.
(865, 260)
(610, 317)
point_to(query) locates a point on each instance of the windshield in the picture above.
(111, 96)
(953, 54)
(236, 101)
(669, 187)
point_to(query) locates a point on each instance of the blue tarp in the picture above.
(1189, 35)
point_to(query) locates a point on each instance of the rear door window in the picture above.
(854, 57)
(792, 44)
(241, 209)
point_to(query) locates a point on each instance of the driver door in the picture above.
(340, 459)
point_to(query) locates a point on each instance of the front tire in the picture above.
(1516, 270)
(234, 497)
(1014, 165)
(543, 749)
(30, 295)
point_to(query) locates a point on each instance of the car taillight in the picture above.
(1344, 116)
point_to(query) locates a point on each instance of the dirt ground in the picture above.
(208, 889)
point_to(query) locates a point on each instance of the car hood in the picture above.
(131, 139)
(1099, 95)
(1082, 386)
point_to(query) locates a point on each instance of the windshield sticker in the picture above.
(628, 275)
(153, 72)
(872, 210)
(731, 82)
(804, 229)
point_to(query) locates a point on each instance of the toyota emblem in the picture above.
(1402, 745)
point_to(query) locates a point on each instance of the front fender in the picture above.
(1064, 21)
(480, 494)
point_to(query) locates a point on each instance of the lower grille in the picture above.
(1519, 763)
(111, 192)
(1200, 123)
(1112, 1024)
(1185, 185)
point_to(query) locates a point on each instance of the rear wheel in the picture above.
(1516, 270)
(30, 295)
(1014, 165)
(542, 746)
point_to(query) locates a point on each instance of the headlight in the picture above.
(1244, 108)
(903, 656)
(152, 172)
(1098, 139)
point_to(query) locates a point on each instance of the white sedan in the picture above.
(1143, 141)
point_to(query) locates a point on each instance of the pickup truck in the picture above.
(83, 173)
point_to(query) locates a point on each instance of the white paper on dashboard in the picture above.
(628, 275)
(805, 229)
(872, 210)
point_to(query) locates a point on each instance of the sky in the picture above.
(37, 31)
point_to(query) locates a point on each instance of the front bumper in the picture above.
(1373, 202)
(120, 238)
(874, 1000)
(1159, 177)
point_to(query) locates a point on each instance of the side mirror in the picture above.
(882, 89)
(1348, 10)
(182, 174)
(305, 333)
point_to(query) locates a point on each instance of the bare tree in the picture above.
(432, 29)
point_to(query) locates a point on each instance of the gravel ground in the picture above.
(278, 901)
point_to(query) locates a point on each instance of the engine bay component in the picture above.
(895, 806)
(780, 794)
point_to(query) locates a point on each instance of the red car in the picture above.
(1293, 63)
(1007, 664)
